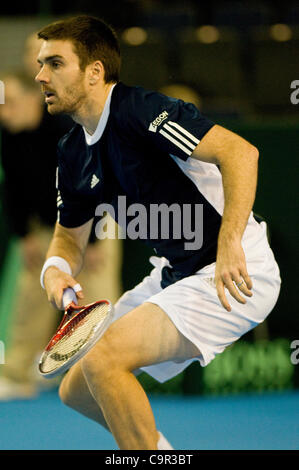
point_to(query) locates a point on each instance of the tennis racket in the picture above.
(81, 327)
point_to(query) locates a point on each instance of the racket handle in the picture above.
(68, 297)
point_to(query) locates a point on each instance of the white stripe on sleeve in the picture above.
(187, 134)
(179, 136)
(176, 142)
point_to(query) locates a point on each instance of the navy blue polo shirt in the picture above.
(135, 159)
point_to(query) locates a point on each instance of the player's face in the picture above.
(62, 81)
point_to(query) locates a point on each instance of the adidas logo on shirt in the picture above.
(94, 181)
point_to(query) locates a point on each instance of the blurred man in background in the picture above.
(30, 209)
(31, 49)
(29, 205)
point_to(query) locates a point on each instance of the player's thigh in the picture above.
(142, 337)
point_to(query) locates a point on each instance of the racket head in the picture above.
(78, 332)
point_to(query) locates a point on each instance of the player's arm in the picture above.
(68, 244)
(238, 162)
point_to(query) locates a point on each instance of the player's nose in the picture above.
(42, 76)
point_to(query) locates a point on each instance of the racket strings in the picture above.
(79, 331)
(73, 322)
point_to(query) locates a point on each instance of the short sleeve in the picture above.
(173, 125)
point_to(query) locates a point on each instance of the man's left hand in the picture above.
(231, 273)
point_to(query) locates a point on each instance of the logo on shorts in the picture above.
(153, 125)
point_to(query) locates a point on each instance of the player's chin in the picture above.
(52, 109)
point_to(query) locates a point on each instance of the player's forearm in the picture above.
(237, 160)
(70, 244)
(65, 246)
(239, 175)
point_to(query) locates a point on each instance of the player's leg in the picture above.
(74, 392)
(144, 336)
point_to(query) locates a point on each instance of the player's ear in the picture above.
(96, 72)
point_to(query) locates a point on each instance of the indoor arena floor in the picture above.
(268, 421)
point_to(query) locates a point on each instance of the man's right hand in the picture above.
(56, 281)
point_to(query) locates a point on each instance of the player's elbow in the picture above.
(250, 154)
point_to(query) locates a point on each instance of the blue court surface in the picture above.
(268, 421)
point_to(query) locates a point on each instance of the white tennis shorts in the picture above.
(194, 307)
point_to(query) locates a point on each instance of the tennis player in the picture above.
(152, 150)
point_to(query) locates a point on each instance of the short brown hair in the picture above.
(92, 38)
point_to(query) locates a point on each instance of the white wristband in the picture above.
(57, 261)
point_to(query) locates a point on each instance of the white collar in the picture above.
(92, 139)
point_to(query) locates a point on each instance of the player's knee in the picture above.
(101, 360)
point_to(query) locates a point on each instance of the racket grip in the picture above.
(68, 297)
